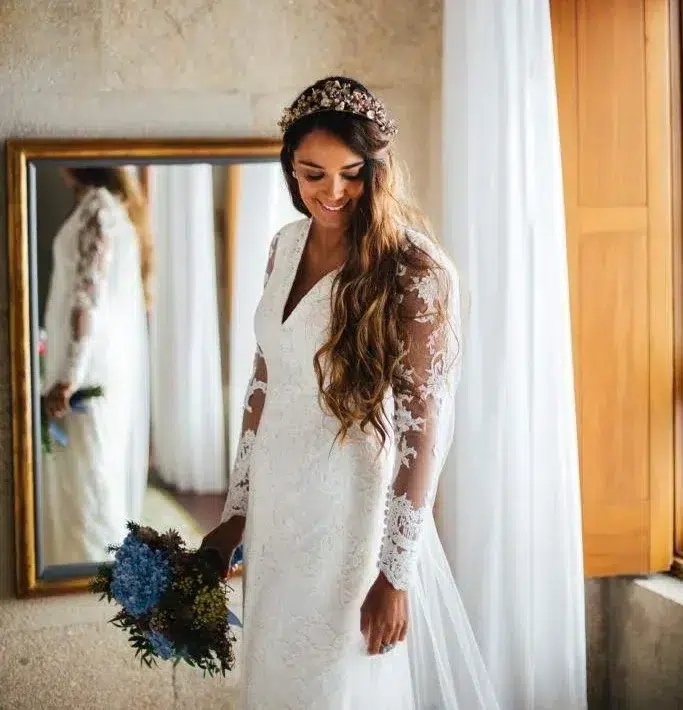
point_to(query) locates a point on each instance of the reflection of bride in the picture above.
(96, 336)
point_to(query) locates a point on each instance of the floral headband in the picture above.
(335, 95)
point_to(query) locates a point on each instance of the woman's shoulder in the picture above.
(98, 198)
(288, 234)
(98, 207)
(291, 230)
(430, 276)
(425, 254)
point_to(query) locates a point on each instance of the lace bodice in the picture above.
(429, 362)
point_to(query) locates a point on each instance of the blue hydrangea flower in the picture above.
(140, 576)
(161, 645)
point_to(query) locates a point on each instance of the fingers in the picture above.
(378, 635)
(376, 638)
(51, 407)
(383, 618)
(56, 406)
(364, 624)
(393, 637)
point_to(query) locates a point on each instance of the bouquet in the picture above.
(173, 601)
(50, 431)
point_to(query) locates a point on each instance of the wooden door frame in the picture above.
(677, 224)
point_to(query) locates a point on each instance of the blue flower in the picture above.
(161, 645)
(140, 576)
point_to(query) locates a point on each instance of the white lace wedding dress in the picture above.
(96, 336)
(323, 517)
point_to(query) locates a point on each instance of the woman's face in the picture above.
(330, 178)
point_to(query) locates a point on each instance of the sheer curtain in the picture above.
(510, 506)
(263, 207)
(188, 429)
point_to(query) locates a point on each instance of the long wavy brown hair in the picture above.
(361, 359)
(120, 181)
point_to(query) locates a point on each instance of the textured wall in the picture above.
(175, 68)
(645, 648)
(635, 644)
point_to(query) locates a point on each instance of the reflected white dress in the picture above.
(322, 517)
(93, 485)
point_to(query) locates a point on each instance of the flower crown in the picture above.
(335, 95)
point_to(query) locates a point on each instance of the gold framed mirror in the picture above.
(211, 207)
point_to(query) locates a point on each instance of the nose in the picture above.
(337, 188)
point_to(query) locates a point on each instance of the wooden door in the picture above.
(613, 69)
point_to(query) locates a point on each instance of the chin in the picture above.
(331, 220)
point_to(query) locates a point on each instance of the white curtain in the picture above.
(510, 504)
(263, 207)
(188, 429)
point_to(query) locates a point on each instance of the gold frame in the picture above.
(19, 153)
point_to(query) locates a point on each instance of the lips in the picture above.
(329, 208)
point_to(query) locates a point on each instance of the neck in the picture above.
(328, 240)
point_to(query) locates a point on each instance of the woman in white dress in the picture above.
(349, 601)
(95, 323)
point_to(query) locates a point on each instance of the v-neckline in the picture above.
(297, 257)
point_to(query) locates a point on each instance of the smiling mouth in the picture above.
(333, 209)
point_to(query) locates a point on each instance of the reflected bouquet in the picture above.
(50, 430)
(173, 601)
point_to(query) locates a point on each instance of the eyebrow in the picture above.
(309, 164)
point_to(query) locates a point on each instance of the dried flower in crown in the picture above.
(335, 95)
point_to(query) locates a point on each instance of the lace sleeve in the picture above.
(254, 401)
(430, 351)
(90, 282)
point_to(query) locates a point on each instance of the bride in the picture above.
(97, 336)
(349, 600)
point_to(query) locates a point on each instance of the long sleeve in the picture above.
(254, 401)
(428, 364)
(92, 258)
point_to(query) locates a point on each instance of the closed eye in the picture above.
(315, 177)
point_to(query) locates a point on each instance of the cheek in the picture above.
(355, 190)
(307, 191)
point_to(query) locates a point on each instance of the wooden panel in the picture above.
(658, 62)
(614, 97)
(594, 220)
(630, 554)
(613, 340)
(677, 230)
(611, 102)
(616, 537)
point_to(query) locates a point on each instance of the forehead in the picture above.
(325, 150)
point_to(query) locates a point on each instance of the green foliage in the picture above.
(192, 613)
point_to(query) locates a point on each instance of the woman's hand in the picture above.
(384, 615)
(224, 539)
(57, 400)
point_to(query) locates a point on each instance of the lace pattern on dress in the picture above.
(238, 489)
(427, 364)
(92, 259)
(238, 492)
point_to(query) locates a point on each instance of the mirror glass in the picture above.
(145, 278)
